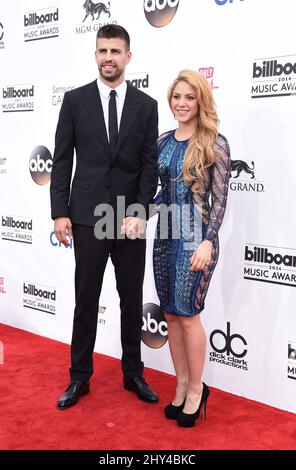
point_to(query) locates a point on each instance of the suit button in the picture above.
(107, 186)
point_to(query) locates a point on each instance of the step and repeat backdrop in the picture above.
(247, 51)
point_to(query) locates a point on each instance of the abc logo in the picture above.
(160, 12)
(154, 329)
(228, 338)
(40, 165)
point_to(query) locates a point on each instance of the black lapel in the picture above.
(129, 114)
(95, 110)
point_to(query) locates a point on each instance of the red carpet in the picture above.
(35, 373)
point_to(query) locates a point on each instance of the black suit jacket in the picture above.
(99, 176)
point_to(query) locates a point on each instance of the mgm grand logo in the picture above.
(97, 12)
(93, 9)
(242, 175)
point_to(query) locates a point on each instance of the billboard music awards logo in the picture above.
(208, 72)
(41, 24)
(160, 12)
(275, 265)
(291, 360)
(98, 14)
(58, 94)
(154, 329)
(274, 76)
(1, 36)
(39, 297)
(17, 229)
(228, 349)
(243, 177)
(2, 287)
(139, 80)
(40, 165)
(18, 98)
(2, 166)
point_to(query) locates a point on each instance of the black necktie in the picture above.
(113, 126)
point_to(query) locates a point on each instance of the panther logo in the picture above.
(240, 165)
(93, 8)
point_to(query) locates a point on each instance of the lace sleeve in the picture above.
(219, 187)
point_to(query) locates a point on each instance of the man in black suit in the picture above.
(109, 163)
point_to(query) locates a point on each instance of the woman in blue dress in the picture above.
(194, 170)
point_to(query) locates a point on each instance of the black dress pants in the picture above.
(91, 256)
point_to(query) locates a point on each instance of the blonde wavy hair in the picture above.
(200, 152)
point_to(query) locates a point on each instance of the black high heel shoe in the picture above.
(171, 411)
(187, 420)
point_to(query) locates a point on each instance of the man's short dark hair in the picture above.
(110, 31)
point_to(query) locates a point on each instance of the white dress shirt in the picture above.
(104, 91)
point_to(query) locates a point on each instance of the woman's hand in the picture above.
(201, 256)
(133, 227)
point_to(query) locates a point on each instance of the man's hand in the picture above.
(133, 227)
(62, 229)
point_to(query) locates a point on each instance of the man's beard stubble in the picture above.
(111, 78)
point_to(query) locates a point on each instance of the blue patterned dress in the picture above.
(180, 291)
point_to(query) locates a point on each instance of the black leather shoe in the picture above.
(72, 394)
(142, 389)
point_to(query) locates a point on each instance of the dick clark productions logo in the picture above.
(228, 349)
